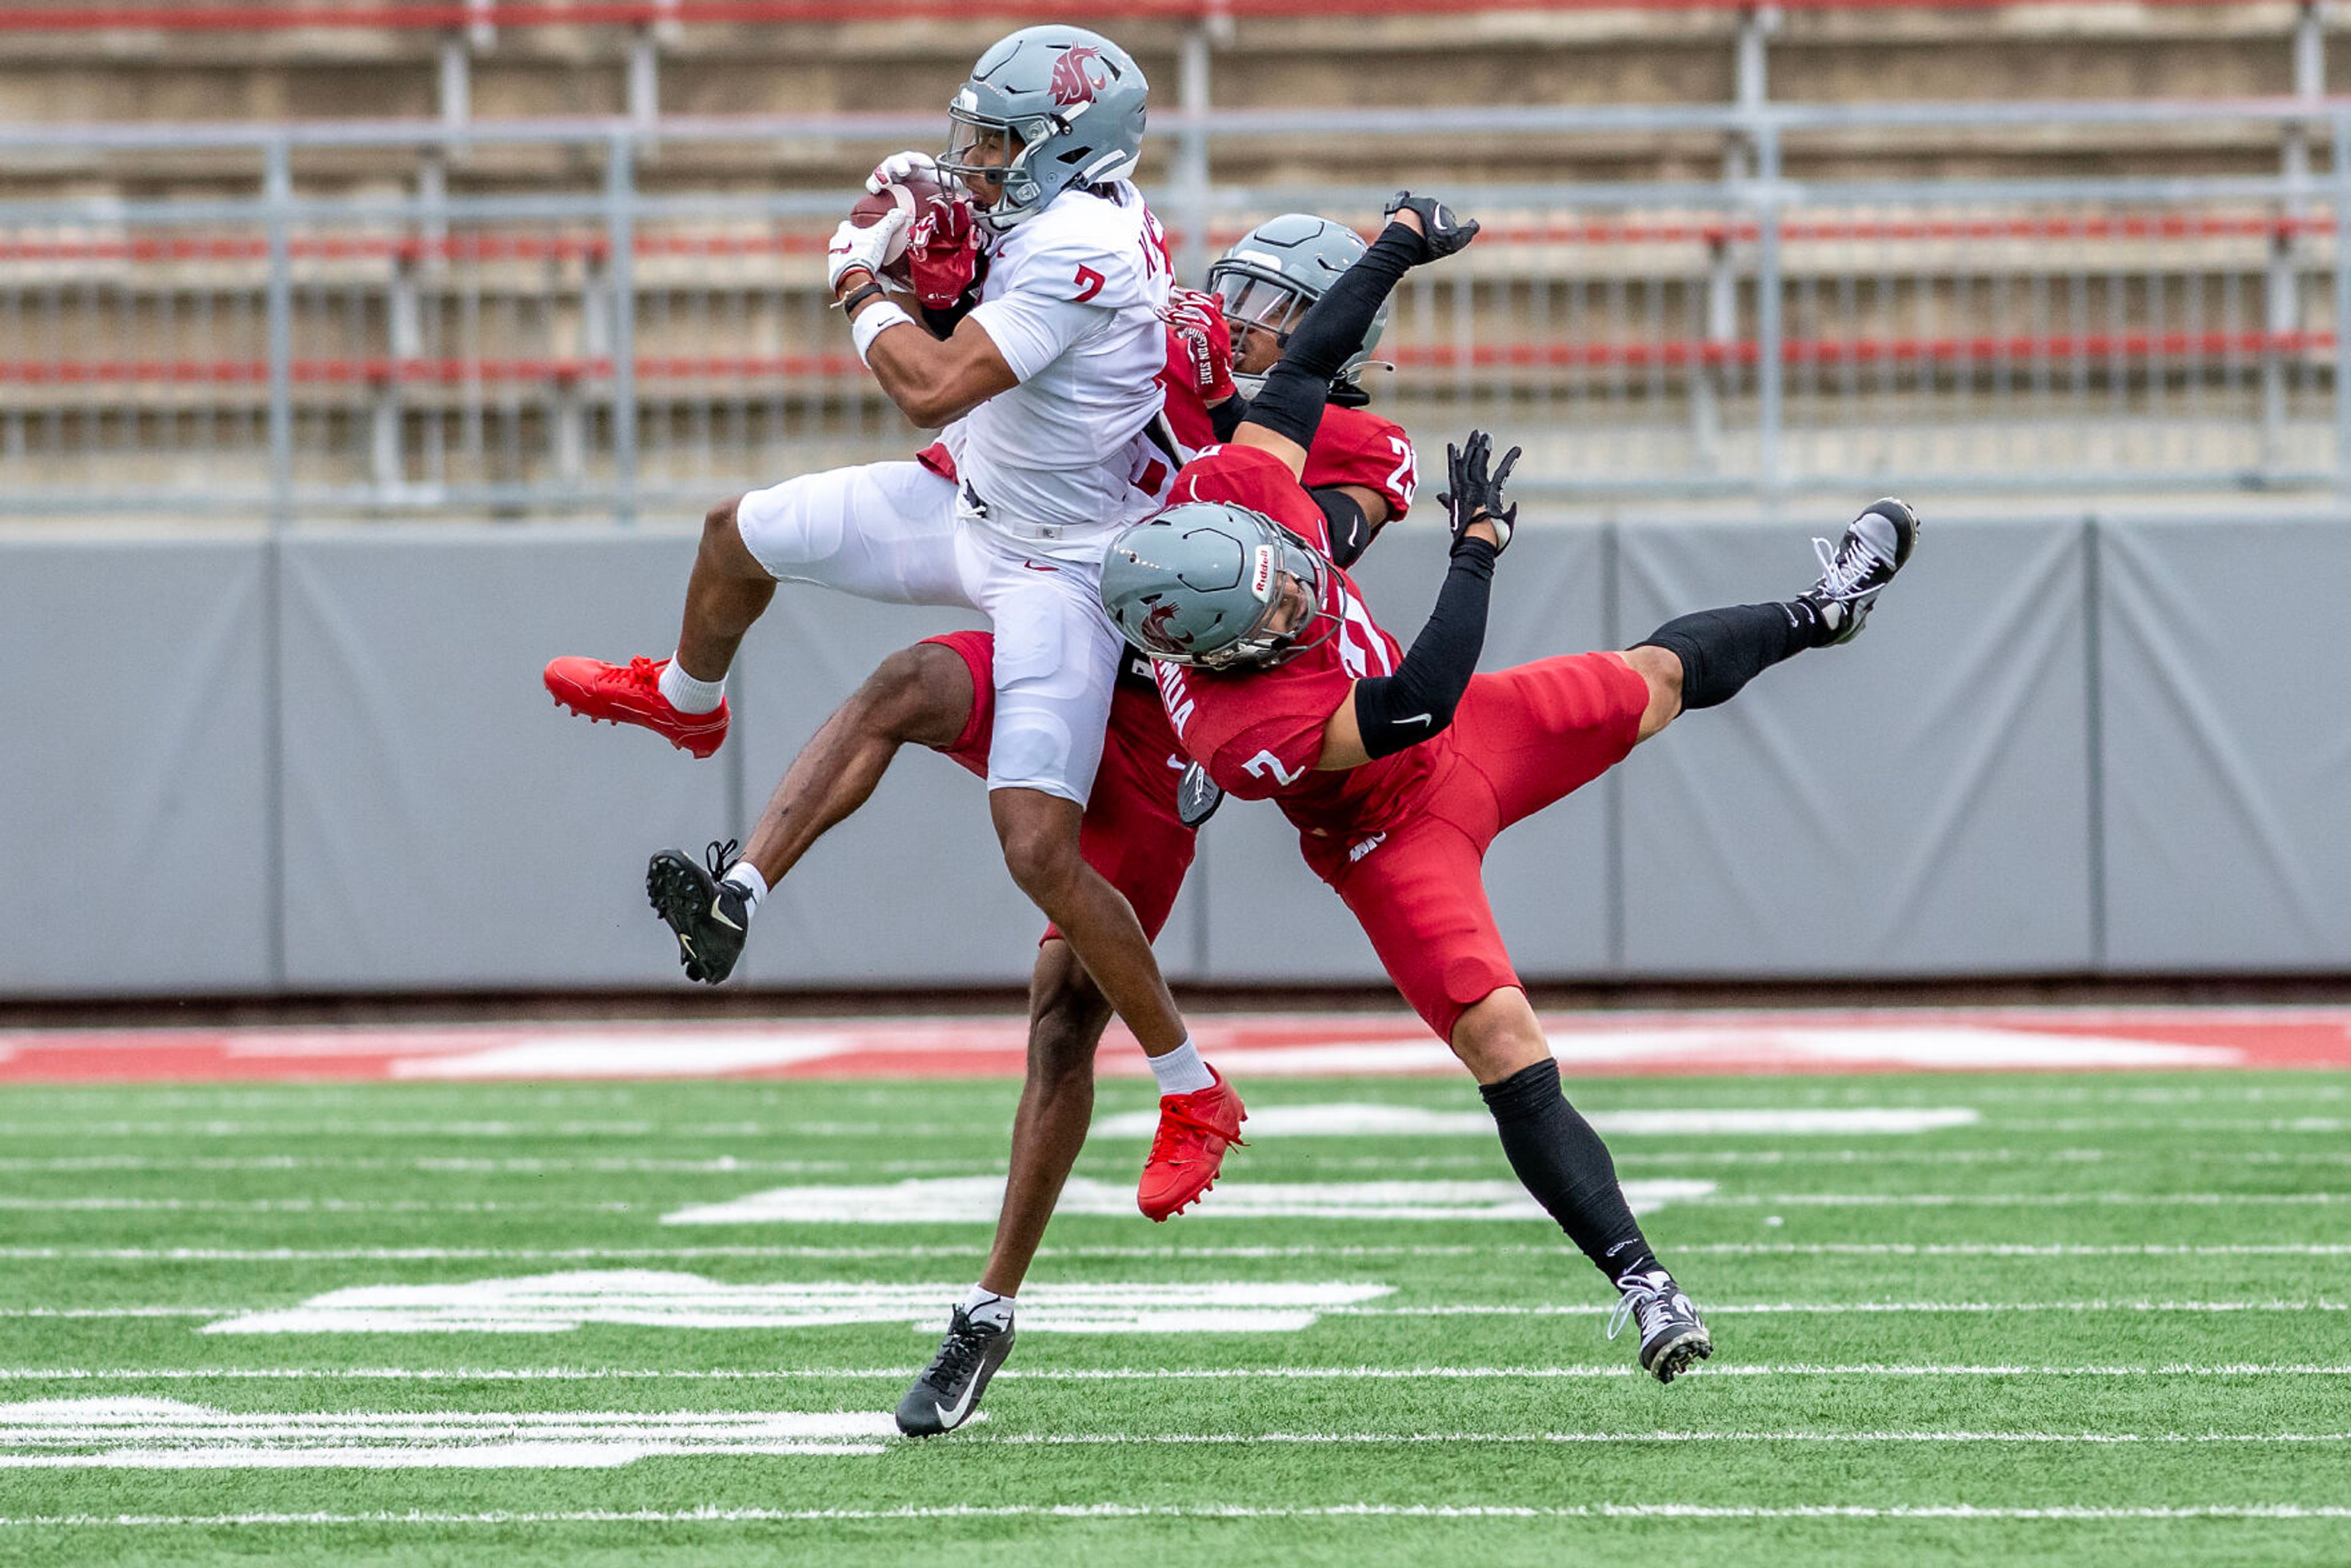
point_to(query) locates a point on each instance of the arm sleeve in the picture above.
(1417, 701)
(1228, 415)
(1351, 530)
(1032, 329)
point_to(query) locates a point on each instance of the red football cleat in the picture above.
(1193, 1131)
(630, 694)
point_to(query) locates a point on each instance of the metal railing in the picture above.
(597, 347)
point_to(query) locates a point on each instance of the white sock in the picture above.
(1181, 1071)
(985, 1306)
(685, 694)
(746, 875)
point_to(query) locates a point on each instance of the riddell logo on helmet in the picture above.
(1073, 83)
(1261, 576)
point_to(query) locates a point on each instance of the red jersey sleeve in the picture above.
(1252, 478)
(1353, 446)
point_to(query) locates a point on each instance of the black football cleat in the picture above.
(1671, 1334)
(1856, 570)
(711, 917)
(947, 1392)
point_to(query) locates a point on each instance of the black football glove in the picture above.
(1472, 494)
(1443, 231)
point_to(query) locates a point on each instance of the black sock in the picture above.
(1722, 650)
(1561, 1160)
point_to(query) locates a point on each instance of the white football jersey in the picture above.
(1072, 300)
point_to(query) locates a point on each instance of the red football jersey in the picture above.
(1259, 732)
(1356, 446)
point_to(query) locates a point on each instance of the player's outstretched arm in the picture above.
(1386, 713)
(1285, 416)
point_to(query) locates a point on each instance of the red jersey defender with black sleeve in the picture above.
(1399, 768)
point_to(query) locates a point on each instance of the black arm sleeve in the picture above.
(1291, 402)
(1351, 530)
(1227, 416)
(1417, 701)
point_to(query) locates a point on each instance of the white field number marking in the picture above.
(977, 1199)
(554, 1303)
(164, 1434)
(1353, 1121)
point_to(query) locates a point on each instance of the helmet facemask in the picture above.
(1016, 189)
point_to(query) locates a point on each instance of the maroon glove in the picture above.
(942, 249)
(1199, 344)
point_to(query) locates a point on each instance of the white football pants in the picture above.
(891, 531)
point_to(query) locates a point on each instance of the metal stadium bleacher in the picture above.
(410, 258)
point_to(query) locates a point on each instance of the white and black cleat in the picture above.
(710, 917)
(947, 1392)
(1672, 1336)
(1856, 569)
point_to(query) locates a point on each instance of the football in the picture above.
(914, 196)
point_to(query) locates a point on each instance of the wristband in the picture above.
(873, 324)
(859, 295)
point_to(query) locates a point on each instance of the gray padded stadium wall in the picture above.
(2061, 749)
(136, 787)
(2227, 747)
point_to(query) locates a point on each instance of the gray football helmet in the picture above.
(1277, 269)
(1073, 99)
(1198, 584)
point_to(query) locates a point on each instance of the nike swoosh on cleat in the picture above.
(951, 1418)
(720, 915)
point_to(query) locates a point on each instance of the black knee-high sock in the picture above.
(1722, 650)
(1561, 1160)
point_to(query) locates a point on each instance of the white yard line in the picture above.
(933, 1294)
(1134, 1374)
(1320, 1439)
(1730, 1309)
(95, 1204)
(728, 1165)
(1165, 1254)
(1967, 1512)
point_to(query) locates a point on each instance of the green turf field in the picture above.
(2105, 1322)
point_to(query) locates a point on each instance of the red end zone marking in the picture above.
(1252, 1045)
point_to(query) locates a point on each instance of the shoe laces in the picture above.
(1642, 1293)
(718, 855)
(640, 671)
(959, 1353)
(1847, 567)
(1181, 1131)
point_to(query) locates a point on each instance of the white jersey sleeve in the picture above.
(1072, 301)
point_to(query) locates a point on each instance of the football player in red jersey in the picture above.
(1399, 768)
(1362, 475)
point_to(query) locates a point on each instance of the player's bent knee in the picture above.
(723, 545)
(1498, 1035)
(1040, 836)
(1661, 668)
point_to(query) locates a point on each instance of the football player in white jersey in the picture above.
(1048, 392)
